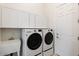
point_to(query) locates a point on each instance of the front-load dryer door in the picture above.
(48, 44)
(34, 41)
(48, 38)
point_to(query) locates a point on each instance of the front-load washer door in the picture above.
(48, 38)
(34, 41)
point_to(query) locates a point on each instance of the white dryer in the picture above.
(48, 42)
(31, 42)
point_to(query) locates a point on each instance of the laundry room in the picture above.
(39, 29)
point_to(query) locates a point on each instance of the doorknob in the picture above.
(57, 35)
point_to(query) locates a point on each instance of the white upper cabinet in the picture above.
(41, 22)
(0, 18)
(32, 21)
(9, 18)
(37, 21)
(14, 19)
(23, 19)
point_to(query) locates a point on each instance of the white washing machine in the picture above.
(31, 42)
(48, 42)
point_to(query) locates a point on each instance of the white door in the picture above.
(9, 18)
(66, 42)
(75, 18)
(76, 29)
(32, 21)
(41, 22)
(0, 18)
(23, 19)
(64, 36)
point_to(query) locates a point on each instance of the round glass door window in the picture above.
(34, 41)
(48, 38)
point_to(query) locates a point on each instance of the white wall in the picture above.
(36, 8)
(8, 33)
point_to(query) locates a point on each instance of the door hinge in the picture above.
(78, 20)
(78, 38)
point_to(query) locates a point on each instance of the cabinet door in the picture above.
(41, 22)
(32, 21)
(45, 22)
(23, 19)
(9, 18)
(0, 18)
